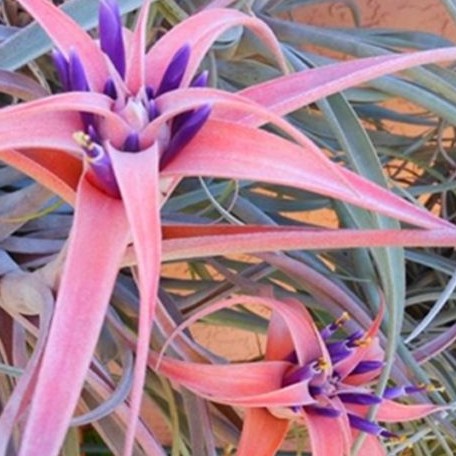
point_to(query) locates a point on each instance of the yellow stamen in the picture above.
(398, 439)
(323, 364)
(342, 319)
(83, 139)
(365, 342)
(431, 388)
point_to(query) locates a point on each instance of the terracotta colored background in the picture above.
(423, 15)
(420, 15)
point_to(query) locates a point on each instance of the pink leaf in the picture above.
(395, 412)
(336, 442)
(137, 177)
(204, 246)
(54, 169)
(97, 243)
(137, 45)
(220, 148)
(304, 334)
(259, 422)
(288, 93)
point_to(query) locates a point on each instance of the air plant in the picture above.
(128, 127)
(308, 376)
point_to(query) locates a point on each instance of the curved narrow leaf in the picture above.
(100, 225)
(260, 422)
(137, 177)
(272, 159)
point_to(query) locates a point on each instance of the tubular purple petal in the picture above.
(61, 66)
(175, 71)
(185, 133)
(103, 175)
(78, 82)
(394, 392)
(360, 398)
(100, 171)
(364, 425)
(323, 411)
(398, 391)
(111, 38)
(338, 350)
(329, 330)
(367, 366)
(302, 373)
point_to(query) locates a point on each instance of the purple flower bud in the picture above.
(152, 110)
(360, 398)
(93, 134)
(175, 71)
(61, 66)
(200, 80)
(185, 133)
(149, 92)
(111, 38)
(77, 75)
(323, 411)
(131, 143)
(110, 89)
(397, 391)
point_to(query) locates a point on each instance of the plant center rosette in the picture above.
(136, 109)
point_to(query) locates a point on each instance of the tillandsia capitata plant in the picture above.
(128, 125)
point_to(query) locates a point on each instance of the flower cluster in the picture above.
(136, 108)
(340, 385)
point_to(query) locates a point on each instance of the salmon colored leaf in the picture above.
(259, 422)
(100, 225)
(137, 177)
(291, 92)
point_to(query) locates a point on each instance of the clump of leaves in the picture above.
(127, 143)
